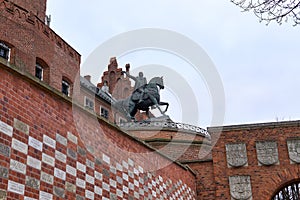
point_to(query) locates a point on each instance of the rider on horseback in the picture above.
(140, 82)
(136, 101)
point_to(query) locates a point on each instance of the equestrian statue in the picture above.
(144, 95)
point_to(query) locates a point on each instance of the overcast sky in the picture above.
(258, 64)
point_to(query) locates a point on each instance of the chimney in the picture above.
(88, 77)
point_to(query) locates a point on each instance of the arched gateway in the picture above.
(290, 191)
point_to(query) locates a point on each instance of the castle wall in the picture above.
(180, 145)
(37, 7)
(51, 149)
(29, 39)
(204, 179)
(255, 160)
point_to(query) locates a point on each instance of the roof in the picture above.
(95, 90)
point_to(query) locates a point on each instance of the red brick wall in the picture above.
(177, 144)
(29, 38)
(205, 179)
(37, 7)
(71, 138)
(119, 85)
(183, 151)
(156, 133)
(265, 180)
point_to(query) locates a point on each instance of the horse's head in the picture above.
(158, 81)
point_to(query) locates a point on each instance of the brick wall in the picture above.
(119, 85)
(51, 149)
(37, 7)
(268, 165)
(205, 179)
(30, 39)
(182, 146)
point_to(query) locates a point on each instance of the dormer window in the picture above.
(39, 71)
(65, 87)
(4, 51)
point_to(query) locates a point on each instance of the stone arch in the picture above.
(289, 190)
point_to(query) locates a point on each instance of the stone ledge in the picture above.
(165, 125)
(172, 141)
(283, 124)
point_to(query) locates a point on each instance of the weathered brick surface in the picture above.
(265, 180)
(53, 148)
(180, 145)
(29, 38)
(37, 7)
(49, 115)
(205, 180)
(119, 85)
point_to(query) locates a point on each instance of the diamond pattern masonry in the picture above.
(122, 180)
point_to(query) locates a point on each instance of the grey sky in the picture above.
(258, 64)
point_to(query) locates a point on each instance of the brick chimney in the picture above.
(88, 77)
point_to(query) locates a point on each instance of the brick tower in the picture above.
(119, 85)
(37, 7)
(27, 42)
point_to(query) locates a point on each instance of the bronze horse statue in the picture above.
(151, 97)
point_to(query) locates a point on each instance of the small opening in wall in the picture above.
(4, 51)
(104, 112)
(65, 87)
(39, 71)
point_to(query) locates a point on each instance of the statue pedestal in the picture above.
(164, 118)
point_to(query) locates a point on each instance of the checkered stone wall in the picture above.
(42, 156)
(45, 168)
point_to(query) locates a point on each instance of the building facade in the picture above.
(61, 138)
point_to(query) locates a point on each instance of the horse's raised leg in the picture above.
(164, 104)
(156, 104)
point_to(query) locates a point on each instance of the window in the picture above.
(39, 71)
(4, 51)
(42, 70)
(65, 87)
(88, 103)
(104, 112)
